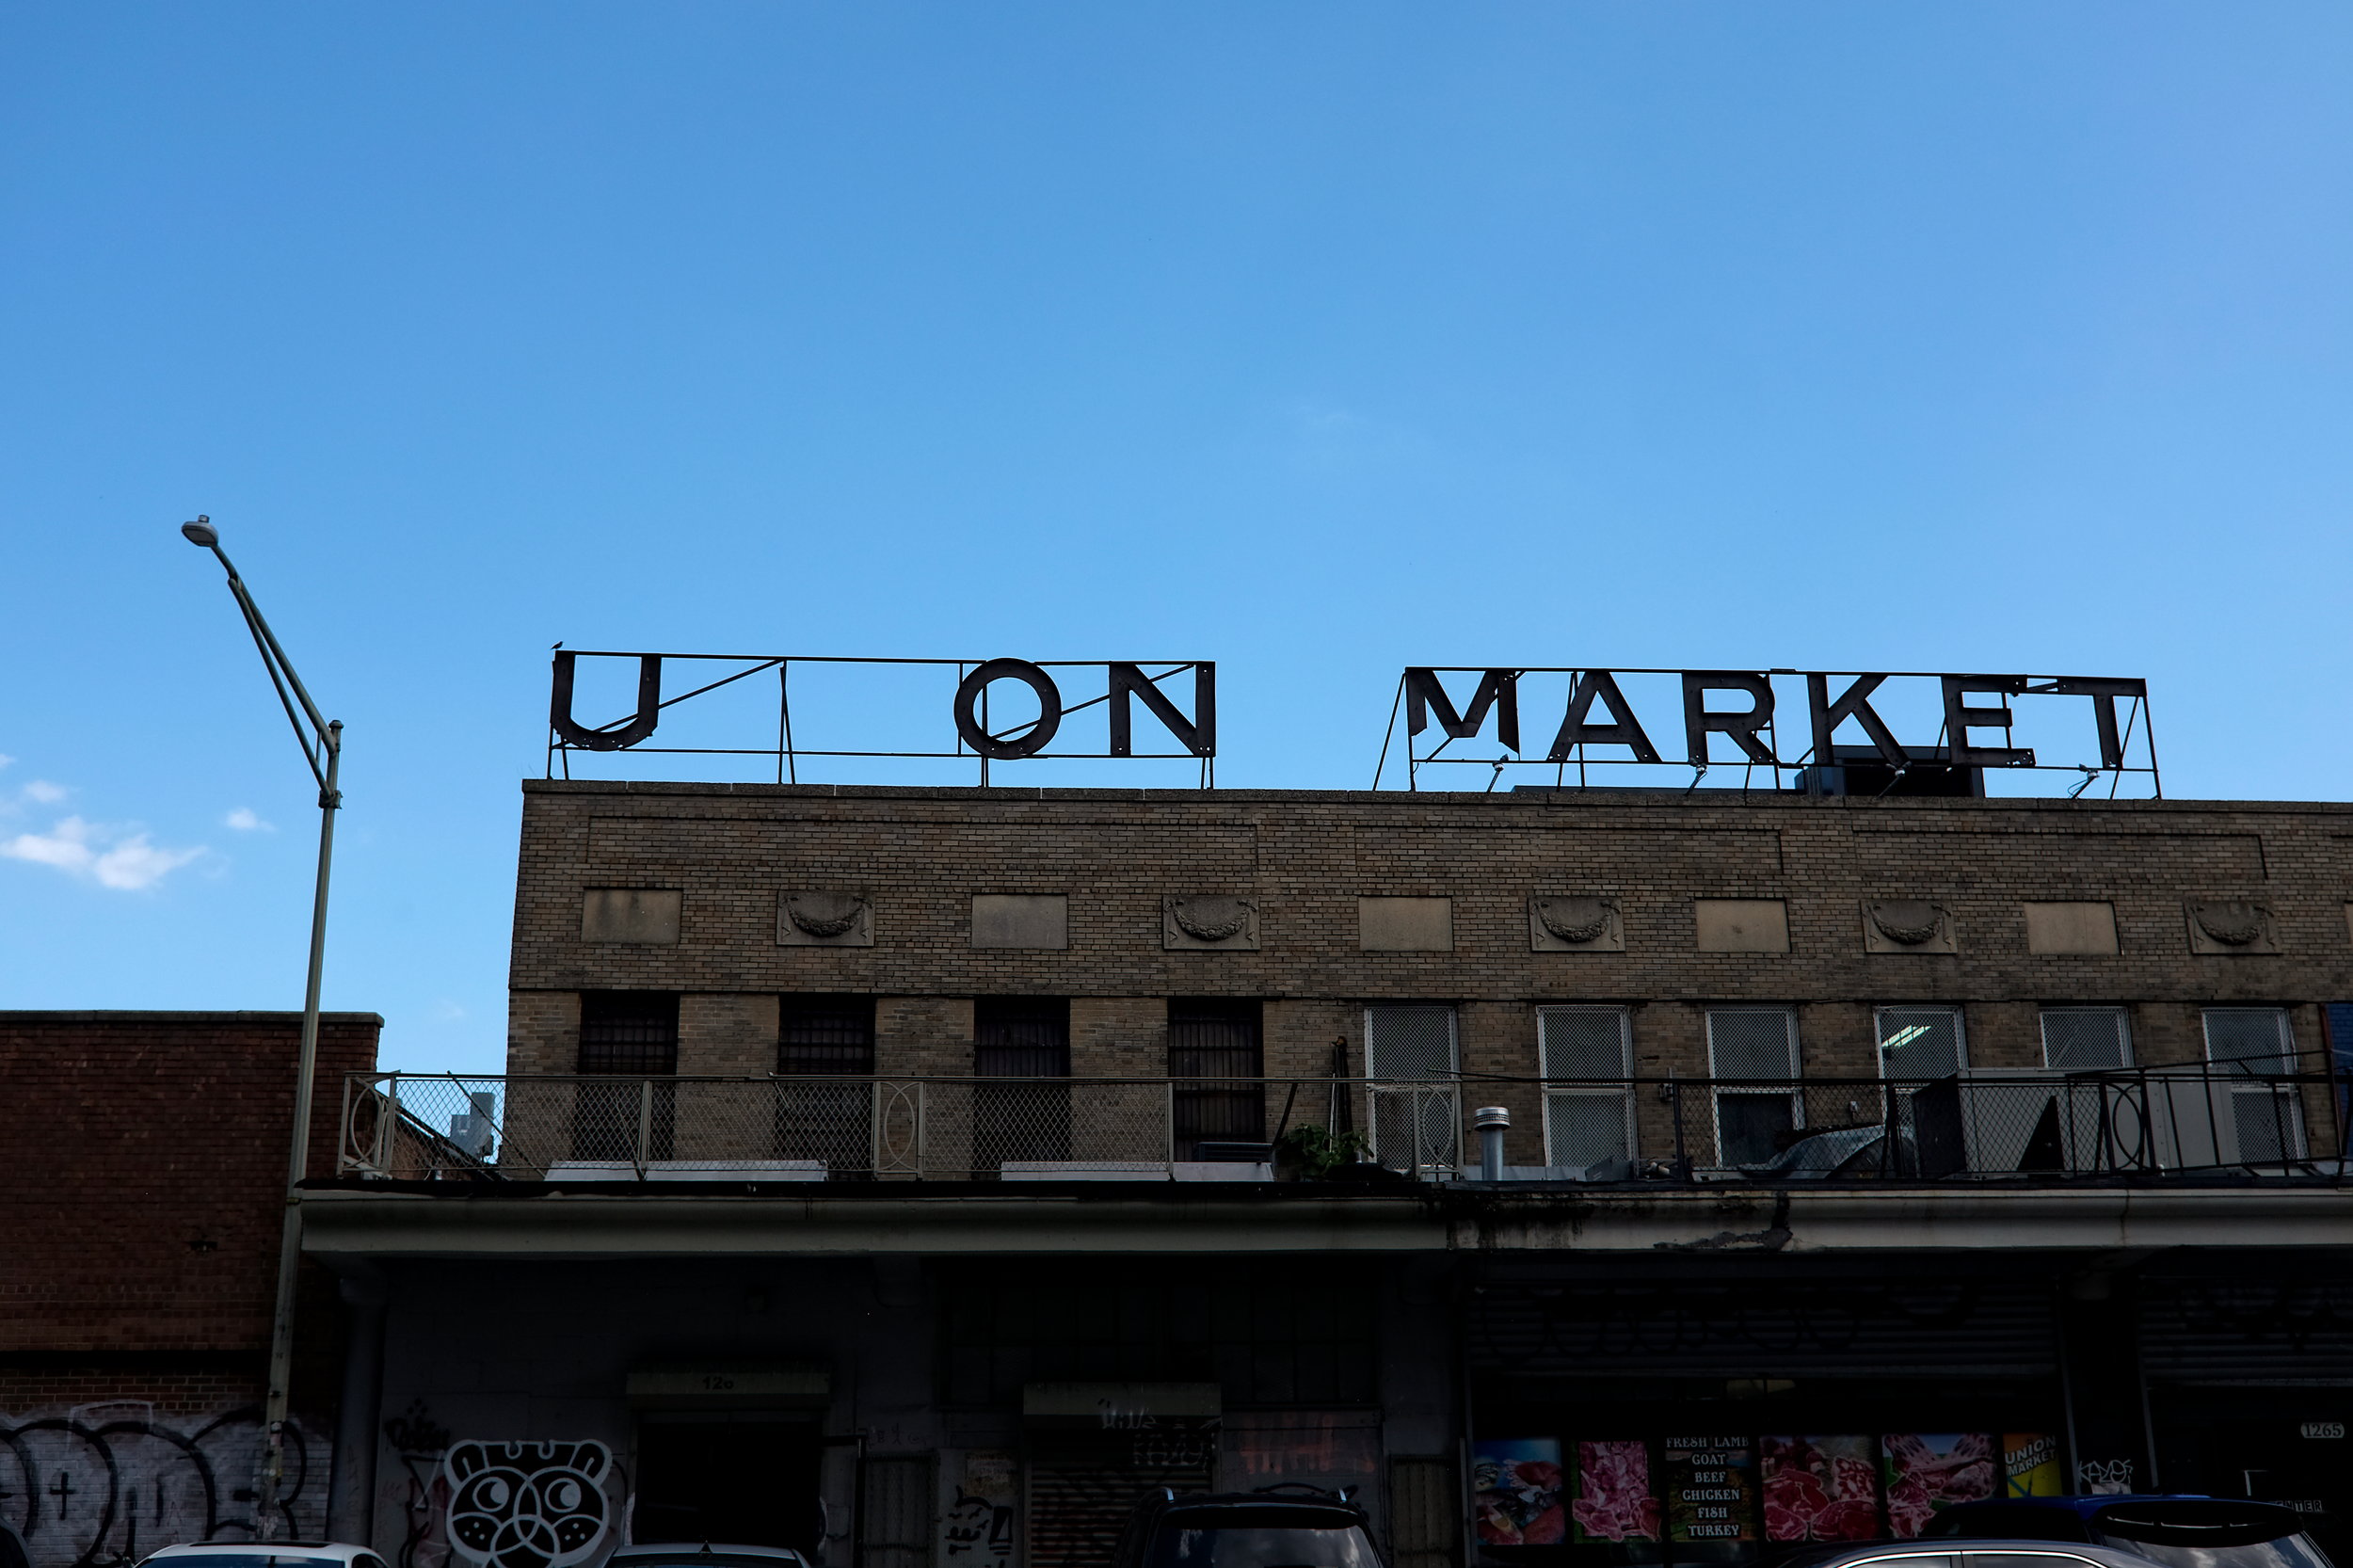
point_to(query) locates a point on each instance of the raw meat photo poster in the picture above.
(1820, 1489)
(1518, 1482)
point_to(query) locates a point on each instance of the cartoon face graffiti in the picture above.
(526, 1505)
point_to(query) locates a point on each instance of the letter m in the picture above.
(1497, 689)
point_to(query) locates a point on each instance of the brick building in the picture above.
(146, 1157)
(913, 1175)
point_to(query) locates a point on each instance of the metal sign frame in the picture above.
(1126, 683)
(1597, 713)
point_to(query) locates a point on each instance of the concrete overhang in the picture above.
(359, 1222)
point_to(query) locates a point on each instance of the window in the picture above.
(2083, 1039)
(1758, 1045)
(825, 1037)
(1020, 1037)
(1410, 1054)
(1216, 1040)
(628, 1031)
(2255, 1046)
(626, 1035)
(1586, 1123)
(1921, 1043)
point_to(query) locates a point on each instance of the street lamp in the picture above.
(321, 744)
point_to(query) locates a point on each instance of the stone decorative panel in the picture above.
(2082, 927)
(1405, 924)
(1741, 924)
(1220, 920)
(1907, 925)
(1560, 922)
(648, 915)
(822, 920)
(2231, 928)
(1022, 920)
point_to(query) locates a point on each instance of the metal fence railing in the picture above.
(1979, 1123)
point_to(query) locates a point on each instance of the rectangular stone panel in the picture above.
(629, 914)
(1020, 920)
(1741, 925)
(2076, 926)
(1405, 924)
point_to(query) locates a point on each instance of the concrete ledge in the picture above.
(1167, 1217)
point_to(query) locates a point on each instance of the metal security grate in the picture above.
(1586, 1124)
(825, 1037)
(1753, 1123)
(2082, 1039)
(628, 1032)
(1216, 1039)
(1921, 1042)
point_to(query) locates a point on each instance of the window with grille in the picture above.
(628, 1031)
(1750, 1050)
(626, 1034)
(1411, 1056)
(1216, 1043)
(1020, 1037)
(1586, 1122)
(825, 1037)
(2255, 1046)
(1921, 1043)
(2085, 1039)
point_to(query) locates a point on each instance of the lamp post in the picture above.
(322, 743)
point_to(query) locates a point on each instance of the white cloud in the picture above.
(44, 793)
(95, 851)
(6, 760)
(244, 821)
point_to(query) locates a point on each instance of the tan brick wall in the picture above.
(1308, 857)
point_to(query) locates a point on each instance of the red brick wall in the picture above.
(146, 1155)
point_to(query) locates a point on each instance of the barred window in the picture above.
(1921, 1042)
(1586, 1123)
(1217, 1038)
(2083, 1039)
(2255, 1039)
(1754, 1121)
(825, 1037)
(1021, 1037)
(634, 1033)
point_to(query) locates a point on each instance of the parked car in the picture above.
(1246, 1530)
(703, 1553)
(2174, 1530)
(264, 1554)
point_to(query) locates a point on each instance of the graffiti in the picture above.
(102, 1485)
(976, 1530)
(2105, 1478)
(419, 1495)
(526, 1505)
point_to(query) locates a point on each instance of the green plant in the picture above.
(1317, 1151)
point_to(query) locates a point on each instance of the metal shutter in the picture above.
(1082, 1487)
(895, 1505)
(1425, 1513)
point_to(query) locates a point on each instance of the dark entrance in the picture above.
(751, 1483)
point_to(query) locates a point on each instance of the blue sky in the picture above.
(1316, 339)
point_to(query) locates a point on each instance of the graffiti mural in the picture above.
(98, 1486)
(527, 1505)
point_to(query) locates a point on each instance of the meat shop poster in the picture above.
(2030, 1465)
(1819, 1489)
(1615, 1502)
(1711, 1489)
(1929, 1472)
(1518, 1482)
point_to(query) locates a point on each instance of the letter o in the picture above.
(1048, 709)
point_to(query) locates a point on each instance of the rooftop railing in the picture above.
(2224, 1119)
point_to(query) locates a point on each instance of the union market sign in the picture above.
(1004, 709)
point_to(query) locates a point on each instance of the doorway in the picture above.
(750, 1483)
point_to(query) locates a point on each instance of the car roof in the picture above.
(704, 1549)
(1945, 1545)
(343, 1549)
(2084, 1507)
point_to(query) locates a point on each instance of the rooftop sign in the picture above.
(1558, 717)
(1737, 717)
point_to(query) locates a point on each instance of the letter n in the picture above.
(1197, 735)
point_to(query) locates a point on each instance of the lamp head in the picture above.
(201, 533)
